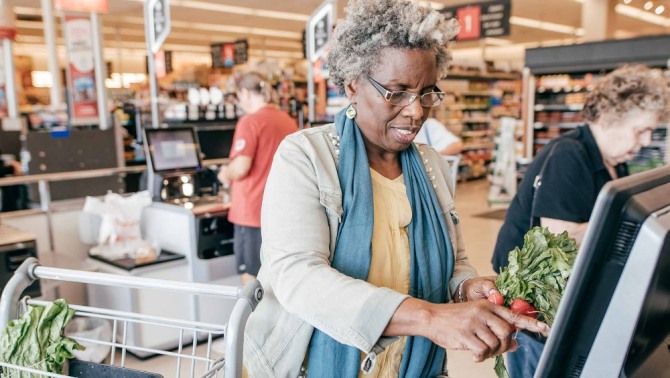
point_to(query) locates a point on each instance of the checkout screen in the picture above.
(173, 149)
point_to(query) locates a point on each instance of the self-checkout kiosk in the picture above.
(192, 231)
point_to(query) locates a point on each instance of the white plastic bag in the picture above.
(92, 329)
(120, 233)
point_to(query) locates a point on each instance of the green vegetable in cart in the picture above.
(535, 279)
(36, 339)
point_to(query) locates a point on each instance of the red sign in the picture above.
(96, 6)
(468, 17)
(228, 54)
(81, 70)
(7, 32)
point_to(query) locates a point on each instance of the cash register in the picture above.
(182, 221)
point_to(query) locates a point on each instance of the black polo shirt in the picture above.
(571, 182)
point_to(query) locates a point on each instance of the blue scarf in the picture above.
(431, 254)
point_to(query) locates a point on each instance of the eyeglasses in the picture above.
(406, 98)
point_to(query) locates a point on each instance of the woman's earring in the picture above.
(351, 112)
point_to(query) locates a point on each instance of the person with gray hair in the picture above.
(363, 263)
(621, 112)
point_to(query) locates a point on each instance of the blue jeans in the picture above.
(523, 362)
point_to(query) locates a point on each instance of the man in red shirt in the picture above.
(257, 136)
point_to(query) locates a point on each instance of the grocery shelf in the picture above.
(476, 133)
(562, 125)
(476, 120)
(473, 94)
(559, 107)
(477, 146)
(469, 107)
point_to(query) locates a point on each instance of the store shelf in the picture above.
(476, 120)
(471, 94)
(559, 107)
(455, 74)
(561, 125)
(477, 146)
(563, 90)
(469, 107)
(476, 133)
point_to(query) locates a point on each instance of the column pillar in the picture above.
(598, 19)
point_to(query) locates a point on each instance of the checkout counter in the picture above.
(190, 225)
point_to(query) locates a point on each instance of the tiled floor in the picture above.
(480, 235)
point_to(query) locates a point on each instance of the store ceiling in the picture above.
(276, 26)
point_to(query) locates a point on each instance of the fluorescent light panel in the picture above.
(627, 10)
(221, 8)
(548, 26)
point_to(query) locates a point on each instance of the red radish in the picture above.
(496, 299)
(522, 307)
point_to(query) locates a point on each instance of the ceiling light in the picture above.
(660, 9)
(548, 26)
(638, 13)
(212, 7)
(648, 5)
(627, 1)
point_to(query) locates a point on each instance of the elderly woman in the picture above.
(622, 110)
(362, 252)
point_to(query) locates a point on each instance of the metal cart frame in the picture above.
(248, 297)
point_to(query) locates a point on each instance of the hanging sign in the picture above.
(241, 51)
(159, 23)
(81, 70)
(226, 55)
(320, 27)
(481, 20)
(86, 6)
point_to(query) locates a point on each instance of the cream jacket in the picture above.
(300, 216)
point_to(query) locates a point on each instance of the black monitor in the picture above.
(174, 149)
(614, 320)
(216, 142)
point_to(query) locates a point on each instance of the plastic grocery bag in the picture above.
(119, 234)
(92, 329)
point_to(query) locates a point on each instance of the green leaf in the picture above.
(500, 368)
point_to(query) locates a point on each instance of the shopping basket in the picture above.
(247, 298)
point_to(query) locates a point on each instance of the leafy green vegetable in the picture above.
(36, 339)
(537, 273)
(500, 368)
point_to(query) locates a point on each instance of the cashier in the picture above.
(257, 136)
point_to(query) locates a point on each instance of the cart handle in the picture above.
(31, 270)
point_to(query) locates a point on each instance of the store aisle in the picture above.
(480, 236)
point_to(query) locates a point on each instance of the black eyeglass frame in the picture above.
(387, 94)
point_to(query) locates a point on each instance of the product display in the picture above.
(558, 102)
(471, 110)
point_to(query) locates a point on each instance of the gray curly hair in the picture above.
(371, 26)
(625, 89)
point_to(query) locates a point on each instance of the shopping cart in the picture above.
(190, 332)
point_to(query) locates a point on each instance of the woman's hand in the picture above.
(478, 288)
(479, 326)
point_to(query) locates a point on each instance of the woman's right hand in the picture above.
(479, 326)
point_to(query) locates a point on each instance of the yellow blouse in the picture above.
(390, 263)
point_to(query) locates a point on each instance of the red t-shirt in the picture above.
(256, 136)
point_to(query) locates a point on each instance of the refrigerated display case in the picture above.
(557, 79)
